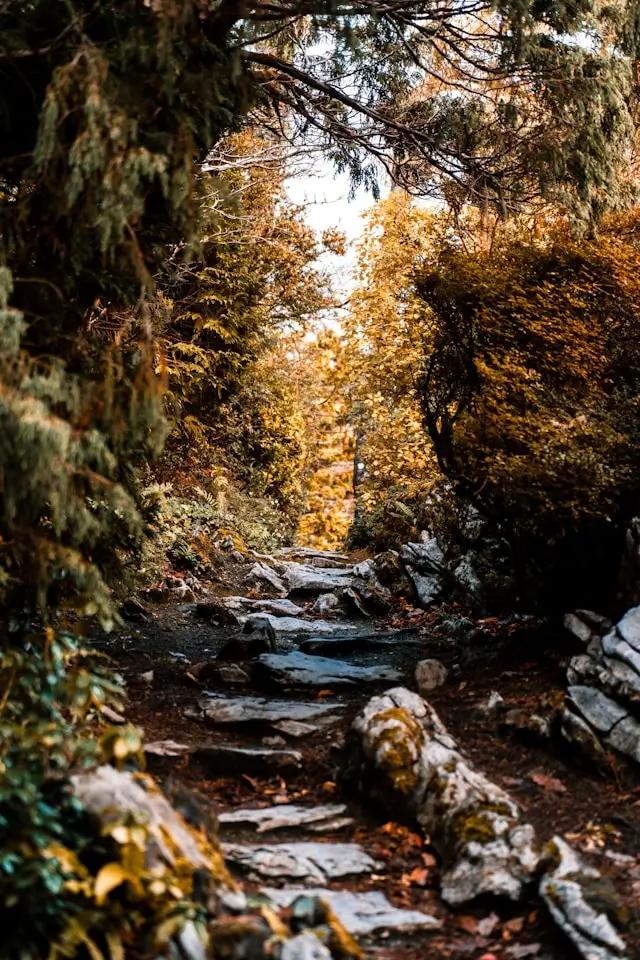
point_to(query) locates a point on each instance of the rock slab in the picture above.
(310, 862)
(361, 914)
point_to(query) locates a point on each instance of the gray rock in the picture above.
(260, 571)
(613, 645)
(329, 817)
(223, 710)
(301, 669)
(424, 563)
(304, 861)
(306, 578)
(430, 674)
(595, 707)
(255, 761)
(280, 608)
(305, 946)
(337, 646)
(361, 914)
(326, 603)
(298, 627)
(273, 742)
(426, 557)
(107, 792)
(565, 888)
(468, 578)
(294, 728)
(629, 628)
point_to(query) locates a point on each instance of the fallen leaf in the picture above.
(429, 860)
(515, 925)
(109, 877)
(329, 786)
(417, 878)
(467, 923)
(551, 784)
(488, 956)
(253, 783)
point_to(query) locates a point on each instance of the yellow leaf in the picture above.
(116, 948)
(109, 877)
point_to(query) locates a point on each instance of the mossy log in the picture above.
(476, 828)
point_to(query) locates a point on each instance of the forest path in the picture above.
(264, 743)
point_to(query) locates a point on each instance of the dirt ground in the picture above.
(599, 813)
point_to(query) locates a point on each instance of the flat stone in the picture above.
(361, 914)
(280, 608)
(297, 627)
(329, 817)
(294, 728)
(625, 738)
(629, 628)
(304, 577)
(305, 861)
(222, 710)
(254, 761)
(300, 669)
(613, 645)
(339, 645)
(601, 712)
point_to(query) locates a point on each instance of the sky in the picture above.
(325, 195)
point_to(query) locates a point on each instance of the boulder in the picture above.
(406, 758)
(113, 797)
(430, 674)
(424, 563)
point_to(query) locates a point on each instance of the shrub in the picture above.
(531, 395)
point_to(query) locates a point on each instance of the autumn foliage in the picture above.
(530, 390)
